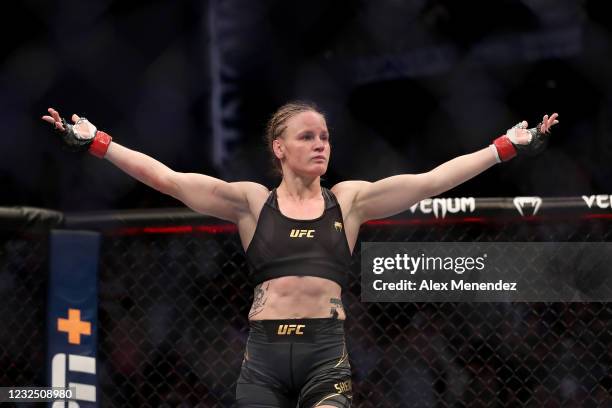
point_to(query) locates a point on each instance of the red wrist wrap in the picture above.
(505, 149)
(100, 144)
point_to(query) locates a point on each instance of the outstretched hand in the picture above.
(56, 120)
(548, 122)
(521, 140)
(521, 135)
(81, 135)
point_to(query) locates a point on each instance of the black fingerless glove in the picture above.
(538, 142)
(73, 141)
(506, 149)
(84, 137)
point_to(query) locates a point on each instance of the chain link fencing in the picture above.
(173, 303)
(22, 306)
(24, 252)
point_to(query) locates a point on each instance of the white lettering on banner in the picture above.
(82, 364)
(76, 363)
(444, 205)
(521, 202)
(601, 200)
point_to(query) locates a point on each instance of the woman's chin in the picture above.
(319, 169)
(315, 170)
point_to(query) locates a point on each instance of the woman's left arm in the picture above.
(396, 194)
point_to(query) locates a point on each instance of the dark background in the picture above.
(406, 85)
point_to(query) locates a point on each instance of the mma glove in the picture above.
(506, 146)
(84, 136)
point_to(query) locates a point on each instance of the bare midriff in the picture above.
(297, 297)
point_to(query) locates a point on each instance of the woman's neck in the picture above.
(299, 189)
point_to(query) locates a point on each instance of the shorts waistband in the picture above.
(296, 330)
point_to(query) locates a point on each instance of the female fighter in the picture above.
(298, 240)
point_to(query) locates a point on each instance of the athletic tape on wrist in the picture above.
(100, 144)
(505, 148)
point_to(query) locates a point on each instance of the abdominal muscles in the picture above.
(295, 297)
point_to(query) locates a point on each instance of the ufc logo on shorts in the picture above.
(288, 329)
(300, 233)
(76, 364)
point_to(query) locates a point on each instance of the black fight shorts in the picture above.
(295, 363)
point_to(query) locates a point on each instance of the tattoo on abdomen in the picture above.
(259, 299)
(336, 304)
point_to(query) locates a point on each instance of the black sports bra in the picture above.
(282, 246)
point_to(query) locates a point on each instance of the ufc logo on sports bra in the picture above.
(300, 233)
(288, 329)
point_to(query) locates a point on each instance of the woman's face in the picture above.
(304, 146)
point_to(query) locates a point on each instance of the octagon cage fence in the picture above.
(174, 295)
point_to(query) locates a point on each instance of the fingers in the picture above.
(75, 118)
(548, 122)
(54, 119)
(552, 119)
(55, 114)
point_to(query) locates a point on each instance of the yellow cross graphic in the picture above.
(74, 326)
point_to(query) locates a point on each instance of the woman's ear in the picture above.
(278, 148)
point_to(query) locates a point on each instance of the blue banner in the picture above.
(72, 319)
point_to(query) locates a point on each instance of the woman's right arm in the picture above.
(204, 194)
